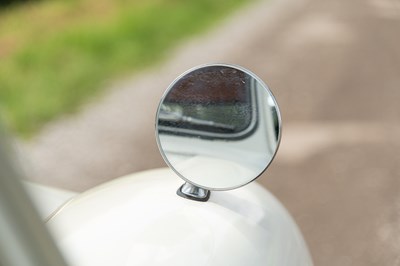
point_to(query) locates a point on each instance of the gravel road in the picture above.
(334, 67)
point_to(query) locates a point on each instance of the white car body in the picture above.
(139, 220)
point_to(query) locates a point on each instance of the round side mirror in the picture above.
(218, 127)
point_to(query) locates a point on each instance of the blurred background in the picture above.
(80, 82)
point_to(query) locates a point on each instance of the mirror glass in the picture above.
(218, 126)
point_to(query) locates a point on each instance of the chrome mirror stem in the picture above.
(190, 191)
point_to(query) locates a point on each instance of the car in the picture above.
(218, 128)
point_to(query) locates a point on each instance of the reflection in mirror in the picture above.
(218, 127)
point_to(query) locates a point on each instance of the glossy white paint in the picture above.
(47, 199)
(139, 220)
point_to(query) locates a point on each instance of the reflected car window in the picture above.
(209, 101)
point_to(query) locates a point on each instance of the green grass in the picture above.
(57, 55)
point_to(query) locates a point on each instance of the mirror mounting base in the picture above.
(192, 192)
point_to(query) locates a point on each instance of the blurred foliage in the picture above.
(55, 55)
(6, 3)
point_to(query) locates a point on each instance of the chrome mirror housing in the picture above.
(218, 127)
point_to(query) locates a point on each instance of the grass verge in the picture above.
(56, 55)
